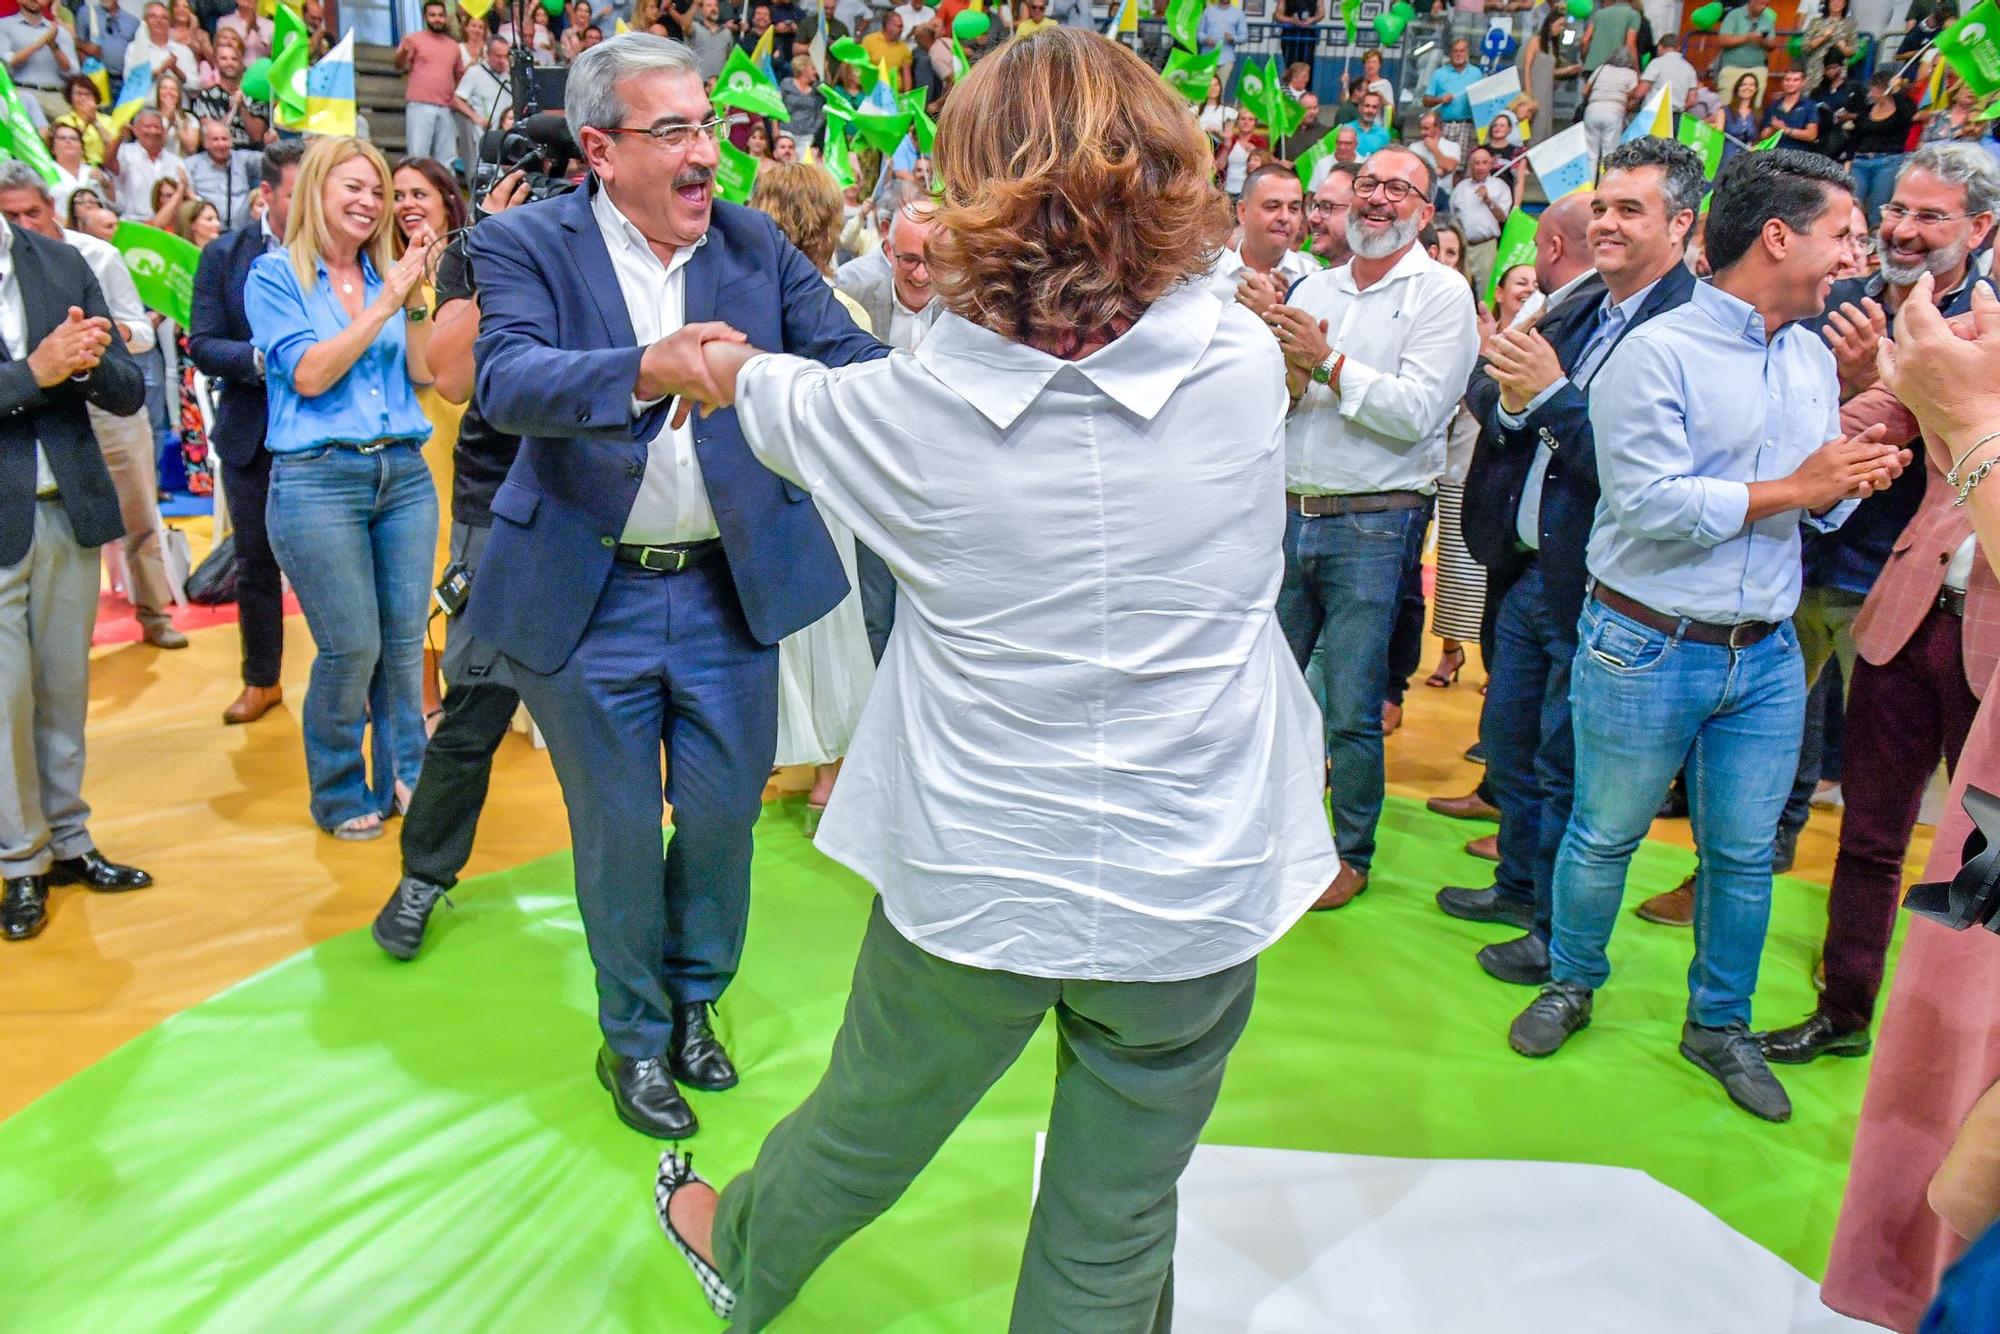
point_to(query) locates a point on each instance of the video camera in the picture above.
(540, 148)
(1972, 897)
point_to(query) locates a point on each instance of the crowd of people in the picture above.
(1656, 620)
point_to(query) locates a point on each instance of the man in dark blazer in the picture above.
(641, 570)
(57, 505)
(219, 341)
(1529, 502)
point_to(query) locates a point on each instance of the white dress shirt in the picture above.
(1472, 214)
(672, 504)
(1410, 341)
(906, 326)
(138, 174)
(1088, 753)
(1229, 269)
(14, 332)
(121, 298)
(143, 52)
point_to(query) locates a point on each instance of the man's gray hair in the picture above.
(1967, 166)
(16, 175)
(590, 97)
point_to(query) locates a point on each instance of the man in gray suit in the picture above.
(894, 286)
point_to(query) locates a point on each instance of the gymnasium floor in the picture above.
(224, 1109)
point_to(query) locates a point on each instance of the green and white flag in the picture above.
(742, 85)
(1259, 90)
(162, 268)
(288, 68)
(735, 173)
(1972, 45)
(18, 136)
(1190, 73)
(1184, 23)
(960, 65)
(1705, 140)
(1517, 246)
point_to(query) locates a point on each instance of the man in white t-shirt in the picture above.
(155, 48)
(1479, 204)
(914, 16)
(483, 96)
(1270, 221)
(1668, 66)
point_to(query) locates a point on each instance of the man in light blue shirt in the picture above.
(1223, 28)
(1446, 92)
(103, 31)
(1721, 423)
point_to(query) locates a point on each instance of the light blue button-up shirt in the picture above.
(1222, 28)
(373, 401)
(1692, 407)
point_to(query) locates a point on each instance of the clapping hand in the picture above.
(1948, 374)
(1854, 332)
(1852, 467)
(1259, 292)
(72, 348)
(1302, 337)
(1524, 364)
(407, 273)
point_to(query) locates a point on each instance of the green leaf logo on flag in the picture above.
(1191, 74)
(1972, 45)
(741, 84)
(1250, 88)
(162, 267)
(735, 173)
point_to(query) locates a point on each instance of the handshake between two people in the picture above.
(697, 364)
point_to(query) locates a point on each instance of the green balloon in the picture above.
(554, 7)
(1796, 47)
(970, 26)
(1403, 10)
(257, 81)
(1707, 17)
(1578, 9)
(1389, 28)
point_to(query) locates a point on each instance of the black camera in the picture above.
(540, 148)
(1972, 897)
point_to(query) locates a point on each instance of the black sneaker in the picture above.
(1732, 1056)
(1524, 960)
(1562, 1009)
(1784, 850)
(399, 927)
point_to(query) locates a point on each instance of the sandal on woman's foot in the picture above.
(677, 1171)
(358, 830)
(1448, 668)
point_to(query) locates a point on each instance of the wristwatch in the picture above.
(416, 314)
(1328, 371)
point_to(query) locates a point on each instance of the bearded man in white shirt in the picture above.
(1377, 353)
(1087, 781)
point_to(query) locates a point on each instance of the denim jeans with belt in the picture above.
(355, 534)
(1643, 703)
(1343, 583)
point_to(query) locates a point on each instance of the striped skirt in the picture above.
(1459, 609)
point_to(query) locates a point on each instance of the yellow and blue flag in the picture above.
(138, 91)
(330, 91)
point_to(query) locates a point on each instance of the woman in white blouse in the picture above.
(1089, 776)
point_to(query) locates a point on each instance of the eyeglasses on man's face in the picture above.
(1923, 217)
(1393, 190)
(674, 138)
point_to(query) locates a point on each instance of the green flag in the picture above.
(1705, 140)
(1190, 73)
(1517, 246)
(162, 267)
(839, 158)
(920, 120)
(960, 65)
(838, 108)
(1310, 159)
(22, 139)
(741, 84)
(735, 173)
(1972, 45)
(1350, 17)
(287, 27)
(1184, 23)
(1259, 91)
(288, 85)
(1769, 141)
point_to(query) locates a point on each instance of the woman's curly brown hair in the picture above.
(1076, 190)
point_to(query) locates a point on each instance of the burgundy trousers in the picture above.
(1902, 719)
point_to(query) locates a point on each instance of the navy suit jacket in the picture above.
(52, 278)
(1501, 460)
(219, 342)
(557, 361)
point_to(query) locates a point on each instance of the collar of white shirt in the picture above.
(1138, 370)
(1413, 263)
(620, 231)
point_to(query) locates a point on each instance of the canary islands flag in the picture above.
(136, 93)
(330, 91)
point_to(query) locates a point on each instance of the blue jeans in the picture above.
(1343, 584)
(1875, 180)
(1530, 752)
(354, 533)
(1643, 703)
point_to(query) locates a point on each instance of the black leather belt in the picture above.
(50, 494)
(1951, 601)
(1740, 635)
(375, 446)
(1370, 502)
(667, 559)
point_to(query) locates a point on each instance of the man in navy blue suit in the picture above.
(219, 342)
(1530, 499)
(642, 565)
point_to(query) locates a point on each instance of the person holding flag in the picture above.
(1222, 29)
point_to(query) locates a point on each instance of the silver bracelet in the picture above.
(1951, 475)
(1977, 476)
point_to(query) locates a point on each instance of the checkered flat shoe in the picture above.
(677, 1171)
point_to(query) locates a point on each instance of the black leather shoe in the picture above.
(695, 1053)
(93, 872)
(1730, 1055)
(1524, 961)
(1784, 850)
(1485, 905)
(1817, 1036)
(24, 907)
(1562, 1010)
(399, 927)
(645, 1096)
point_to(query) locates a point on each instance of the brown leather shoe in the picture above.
(1486, 849)
(162, 634)
(1673, 908)
(253, 703)
(1345, 887)
(1471, 806)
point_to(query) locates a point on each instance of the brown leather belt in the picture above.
(1741, 635)
(1370, 502)
(1951, 601)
